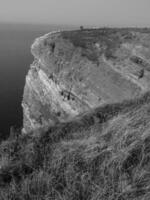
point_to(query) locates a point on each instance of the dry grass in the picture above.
(104, 154)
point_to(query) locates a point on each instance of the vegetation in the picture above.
(110, 38)
(87, 38)
(101, 155)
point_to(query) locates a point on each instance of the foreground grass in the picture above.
(102, 155)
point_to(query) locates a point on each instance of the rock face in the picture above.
(75, 71)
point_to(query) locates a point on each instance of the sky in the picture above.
(77, 12)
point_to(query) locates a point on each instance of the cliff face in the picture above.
(76, 71)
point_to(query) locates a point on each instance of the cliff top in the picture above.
(107, 38)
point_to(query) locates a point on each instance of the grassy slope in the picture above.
(104, 154)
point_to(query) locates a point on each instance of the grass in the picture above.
(110, 38)
(107, 37)
(87, 38)
(101, 155)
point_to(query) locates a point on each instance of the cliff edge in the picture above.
(76, 71)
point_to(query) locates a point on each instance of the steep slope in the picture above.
(75, 71)
(101, 155)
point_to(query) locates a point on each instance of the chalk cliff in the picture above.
(75, 71)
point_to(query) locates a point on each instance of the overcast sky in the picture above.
(76, 12)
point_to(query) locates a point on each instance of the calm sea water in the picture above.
(15, 59)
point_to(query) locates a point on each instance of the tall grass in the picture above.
(101, 155)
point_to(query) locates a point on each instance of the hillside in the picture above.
(76, 71)
(86, 119)
(101, 155)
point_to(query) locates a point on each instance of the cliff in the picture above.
(76, 71)
(101, 154)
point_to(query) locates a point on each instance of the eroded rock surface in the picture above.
(75, 71)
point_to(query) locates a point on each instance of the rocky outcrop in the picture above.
(75, 71)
